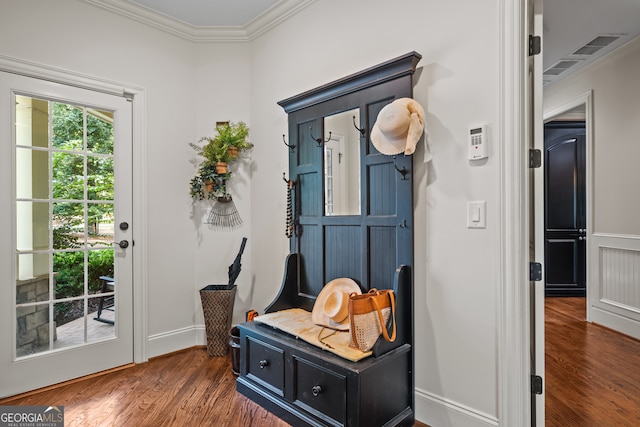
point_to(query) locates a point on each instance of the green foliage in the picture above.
(215, 150)
(67, 125)
(68, 168)
(79, 134)
(63, 237)
(233, 134)
(69, 268)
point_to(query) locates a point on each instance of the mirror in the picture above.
(342, 164)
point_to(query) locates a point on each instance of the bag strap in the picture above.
(383, 325)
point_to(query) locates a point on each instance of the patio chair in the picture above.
(106, 301)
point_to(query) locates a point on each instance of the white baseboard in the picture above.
(179, 339)
(437, 411)
(615, 321)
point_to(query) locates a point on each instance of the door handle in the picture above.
(124, 244)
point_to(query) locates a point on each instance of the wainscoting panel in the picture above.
(620, 277)
(613, 285)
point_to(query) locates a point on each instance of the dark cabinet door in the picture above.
(565, 206)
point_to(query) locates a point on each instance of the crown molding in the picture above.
(267, 20)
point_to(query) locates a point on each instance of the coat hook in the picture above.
(290, 182)
(403, 171)
(291, 146)
(319, 140)
(362, 131)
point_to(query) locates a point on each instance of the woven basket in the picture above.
(217, 307)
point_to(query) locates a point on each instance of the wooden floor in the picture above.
(187, 388)
(592, 380)
(592, 373)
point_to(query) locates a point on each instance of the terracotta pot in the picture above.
(221, 167)
(232, 151)
(208, 186)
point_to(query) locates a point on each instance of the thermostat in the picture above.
(478, 142)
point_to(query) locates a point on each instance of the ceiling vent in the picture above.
(560, 67)
(596, 44)
(596, 48)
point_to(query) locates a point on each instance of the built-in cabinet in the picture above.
(352, 214)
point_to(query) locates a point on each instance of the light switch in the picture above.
(476, 214)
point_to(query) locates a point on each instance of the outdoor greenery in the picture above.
(68, 165)
(68, 179)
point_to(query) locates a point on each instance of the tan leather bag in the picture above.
(368, 316)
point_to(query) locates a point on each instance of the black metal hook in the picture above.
(319, 140)
(362, 131)
(402, 171)
(288, 181)
(291, 146)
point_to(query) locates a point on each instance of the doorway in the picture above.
(66, 194)
(565, 224)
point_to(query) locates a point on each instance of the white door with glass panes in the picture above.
(66, 244)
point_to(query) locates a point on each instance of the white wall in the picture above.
(223, 93)
(616, 125)
(456, 269)
(190, 86)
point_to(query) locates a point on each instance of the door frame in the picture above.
(585, 99)
(137, 97)
(514, 299)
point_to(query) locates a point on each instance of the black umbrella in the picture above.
(234, 269)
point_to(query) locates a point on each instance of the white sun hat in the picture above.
(399, 127)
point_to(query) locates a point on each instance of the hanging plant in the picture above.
(218, 152)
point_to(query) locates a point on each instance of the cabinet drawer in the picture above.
(320, 391)
(265, 365)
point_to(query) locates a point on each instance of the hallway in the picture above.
(592, 373)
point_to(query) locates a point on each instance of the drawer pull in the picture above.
(263, 363)
(316, 390)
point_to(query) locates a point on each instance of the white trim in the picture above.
(615, 321)
(140, 260)
(617, 236)
(70, 78)
(584, 98)
(178, 339)
(514, 398)
(270, 18)
(442, 411)
(60, 75)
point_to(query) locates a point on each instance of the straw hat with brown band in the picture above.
(331, 308)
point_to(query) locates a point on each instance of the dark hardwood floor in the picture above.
(592, 373)
(186, 388)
